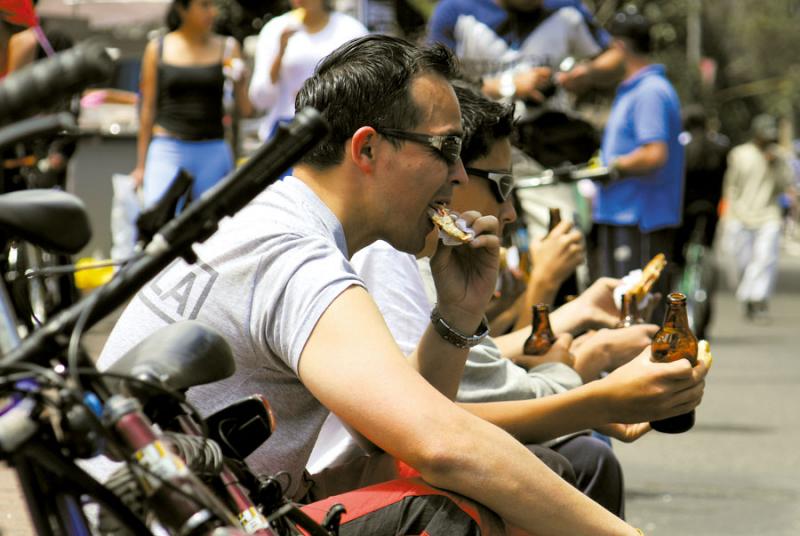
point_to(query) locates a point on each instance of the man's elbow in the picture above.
(438, 460)
(439, 465)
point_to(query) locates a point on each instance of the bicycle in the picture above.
(36, 298)
(58, 408)
(699, 273)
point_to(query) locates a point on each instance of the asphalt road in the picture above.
(737, 473)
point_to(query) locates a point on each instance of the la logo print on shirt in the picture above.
(179, 292)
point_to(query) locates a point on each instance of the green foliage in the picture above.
(754, 44)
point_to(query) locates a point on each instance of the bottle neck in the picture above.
(541, 320)
(555, 218)
(627, 314)
(676, 316)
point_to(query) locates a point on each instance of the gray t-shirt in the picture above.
(263, 281)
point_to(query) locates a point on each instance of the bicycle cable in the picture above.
(193, 411)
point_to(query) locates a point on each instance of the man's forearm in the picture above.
(439, 362)
(499, 472)
(643, 160)
(541, 419)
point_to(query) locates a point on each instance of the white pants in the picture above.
(755, 253)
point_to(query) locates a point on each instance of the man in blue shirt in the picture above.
(637, 214)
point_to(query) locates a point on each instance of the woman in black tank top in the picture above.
(184, 78)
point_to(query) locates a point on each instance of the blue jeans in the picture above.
(208, 161)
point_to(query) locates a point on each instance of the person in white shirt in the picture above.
(289, 48)
(758, 173)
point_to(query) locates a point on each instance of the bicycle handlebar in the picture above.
(35, 127)
(195, 224)
(31, 89)
(563, 174)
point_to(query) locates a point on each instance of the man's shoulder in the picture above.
(349, 24)
(276, 24)
(655, 83)
(745, 148)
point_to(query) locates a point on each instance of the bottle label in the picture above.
(671, 345)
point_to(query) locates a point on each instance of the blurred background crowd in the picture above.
(728, 61)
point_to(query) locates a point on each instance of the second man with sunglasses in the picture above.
(404, 291)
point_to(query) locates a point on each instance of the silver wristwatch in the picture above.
(457, 339)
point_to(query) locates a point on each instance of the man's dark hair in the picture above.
(694, 117)
(484, 121)
(366, 82)
(633, 28)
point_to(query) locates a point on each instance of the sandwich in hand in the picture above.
(650, 275)
(452, 230)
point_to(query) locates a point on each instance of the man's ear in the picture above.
(362, 149)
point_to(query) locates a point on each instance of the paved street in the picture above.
(736, 473)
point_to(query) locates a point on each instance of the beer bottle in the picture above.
(628, 314)
(541, 338)
(520, 239)
(672, 342)
(569, 288)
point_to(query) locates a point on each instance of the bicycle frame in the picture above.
(9, 337)
(133, 435)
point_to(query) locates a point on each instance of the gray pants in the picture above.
(598, 473)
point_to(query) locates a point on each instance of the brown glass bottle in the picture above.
(674, 341)
(569, 288)
(541, 338)
(629, 313)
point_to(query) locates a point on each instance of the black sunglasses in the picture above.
(502, 183)
(448, 147)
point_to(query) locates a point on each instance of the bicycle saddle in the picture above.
(51, 219)
(179, 356)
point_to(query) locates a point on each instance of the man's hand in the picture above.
(627, 433)
(558, 353)
(558, 254)
(530, 83)
(577, 80)
(466, 276)
(646, 391)
(608, 349)
(593, 309)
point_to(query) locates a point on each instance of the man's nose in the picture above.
(457, 174)
(508, 214)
